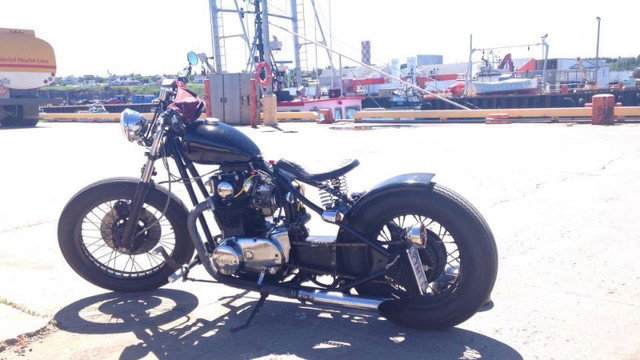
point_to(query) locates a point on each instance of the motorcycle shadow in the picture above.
(163, 322)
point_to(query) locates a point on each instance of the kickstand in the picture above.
(256, 309)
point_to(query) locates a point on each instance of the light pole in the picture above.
(598, 51)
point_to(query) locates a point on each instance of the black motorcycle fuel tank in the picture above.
(209, 141)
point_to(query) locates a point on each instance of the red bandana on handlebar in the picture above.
(188, 104)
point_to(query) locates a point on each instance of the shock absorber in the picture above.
(332, 191)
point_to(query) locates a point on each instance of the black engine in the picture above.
(243, 199)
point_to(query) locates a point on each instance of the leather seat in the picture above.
(301, 174)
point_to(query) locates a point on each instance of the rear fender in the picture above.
(401, 183)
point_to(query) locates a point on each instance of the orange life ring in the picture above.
(267, 71)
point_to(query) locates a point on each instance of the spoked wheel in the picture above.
(90, 232)
(459, 260)
(440, 257)
(101, 232)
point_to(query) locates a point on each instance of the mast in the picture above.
(266, 46)
(331, 46)
(324, 39)
(215, 35)
(296, 41)
(598, 52)
(245, 35)
(260, 44)
(340, 67)
(469, 65)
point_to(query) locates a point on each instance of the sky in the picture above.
(153, 37)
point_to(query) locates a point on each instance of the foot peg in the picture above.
(181, 273)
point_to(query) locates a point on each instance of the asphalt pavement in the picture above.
(562, 201)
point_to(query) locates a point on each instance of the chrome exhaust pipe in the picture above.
(310, 295)
(339, 299)
(192, 227)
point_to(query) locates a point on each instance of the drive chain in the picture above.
(342, 276)
(320, 272)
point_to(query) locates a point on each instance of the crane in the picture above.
(506, 61)
(588, 84)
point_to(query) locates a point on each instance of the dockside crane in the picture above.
(588, 84)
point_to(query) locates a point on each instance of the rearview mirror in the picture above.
(192, 58)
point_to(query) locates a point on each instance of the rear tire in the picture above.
(8, 122)
(29, 122)
(90, 221)
(475, 254)
(11, 122)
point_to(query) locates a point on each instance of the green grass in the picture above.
(19, 307)
(106, 91)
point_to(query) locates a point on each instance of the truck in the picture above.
(142, 99)
(118, 99)
(26, 64)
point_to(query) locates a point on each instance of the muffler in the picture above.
(339, 299)
(310, 295)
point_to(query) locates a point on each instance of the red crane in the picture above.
(506, 60)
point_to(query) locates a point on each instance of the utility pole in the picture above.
(598, 51)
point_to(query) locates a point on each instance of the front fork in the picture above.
(135, 208)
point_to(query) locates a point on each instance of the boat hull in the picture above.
(511, 86)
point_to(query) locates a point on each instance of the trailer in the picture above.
(26, 64)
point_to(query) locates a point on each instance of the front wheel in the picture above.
(459, 260)
(91, 225)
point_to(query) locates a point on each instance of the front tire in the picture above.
(461, 255)
(88, 232)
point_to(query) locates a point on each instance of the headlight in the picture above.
(134, 125)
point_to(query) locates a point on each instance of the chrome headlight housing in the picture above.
(134, 125)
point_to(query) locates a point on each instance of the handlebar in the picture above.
(171, 118)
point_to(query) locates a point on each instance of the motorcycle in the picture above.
(413, 250)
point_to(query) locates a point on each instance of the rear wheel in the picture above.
(8, 122)
(460, 259)
(15, 118)
(29, 122)
(90, 229)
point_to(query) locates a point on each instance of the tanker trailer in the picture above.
(26, 64)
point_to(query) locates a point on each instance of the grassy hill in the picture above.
(103, 92)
